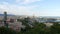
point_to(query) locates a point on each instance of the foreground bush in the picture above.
(4, 30)
(38, 29)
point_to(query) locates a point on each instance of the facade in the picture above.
(12, 22)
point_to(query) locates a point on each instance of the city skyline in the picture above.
(31, 7)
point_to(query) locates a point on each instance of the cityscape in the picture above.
(20, 23)
(29, 16)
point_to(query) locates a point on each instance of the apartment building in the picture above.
(12, 22)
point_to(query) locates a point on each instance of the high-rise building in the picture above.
(5, 19)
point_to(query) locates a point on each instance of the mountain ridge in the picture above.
(7, 15)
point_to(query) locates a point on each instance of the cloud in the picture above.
(26, 1)
(17, 10)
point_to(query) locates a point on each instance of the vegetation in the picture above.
(42, 29)
(39, 28)
(4, 30)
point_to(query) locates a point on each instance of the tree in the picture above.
(4, 30)
(55, 29)
(38, 29)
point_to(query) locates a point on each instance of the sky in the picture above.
(31, 7)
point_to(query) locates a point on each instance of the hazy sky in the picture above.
(31, 7)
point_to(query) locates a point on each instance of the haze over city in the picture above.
(29, 16)
(31, 7)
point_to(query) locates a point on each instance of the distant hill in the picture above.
(50, 16)
(7, 15)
